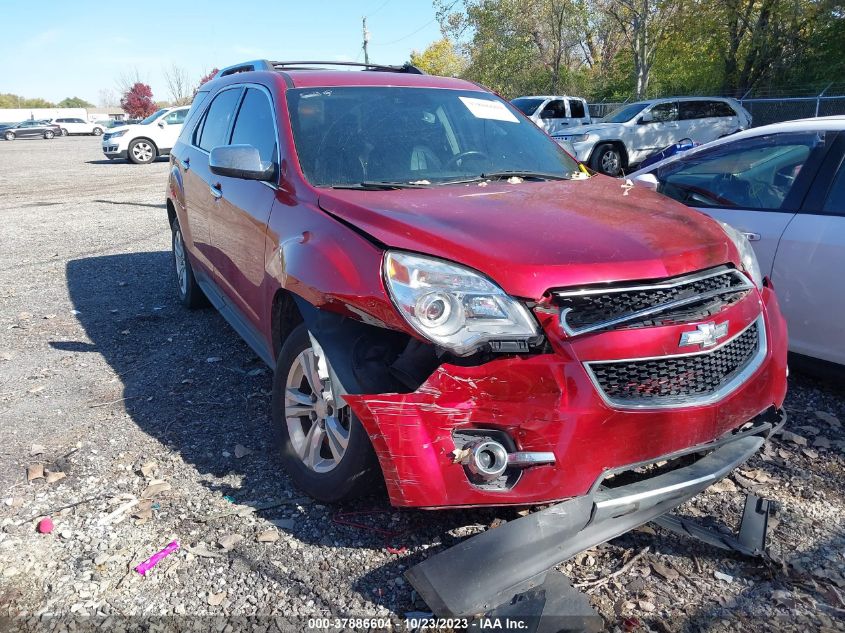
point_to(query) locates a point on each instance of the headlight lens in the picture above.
(746, 254)
(579, 138)
(453, 306)
(116, 134)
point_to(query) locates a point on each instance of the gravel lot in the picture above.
(158, 419)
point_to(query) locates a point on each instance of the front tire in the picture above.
(97, 131)
(607, 159)
(324, 449)
(141, 151)
(48, 135)
(9, 136)
(188, 290)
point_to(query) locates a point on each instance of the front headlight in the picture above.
(453, 306)
(116, 134)
(746, 254)
(579, 138)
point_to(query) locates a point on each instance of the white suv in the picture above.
(142, 142)
(556, 113)
(634, 131)
(77, 126)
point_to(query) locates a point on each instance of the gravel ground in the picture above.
(151, 425)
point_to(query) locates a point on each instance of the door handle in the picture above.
(217, 190)
(751, 236)
(186, 164)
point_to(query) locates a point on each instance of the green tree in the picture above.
(74, 102)
(9, 100)
(439, 58)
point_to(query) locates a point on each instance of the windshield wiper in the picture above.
(525, 175)
(372, 185)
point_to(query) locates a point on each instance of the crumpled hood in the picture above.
(534, 236)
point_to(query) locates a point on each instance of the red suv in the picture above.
(455, 307)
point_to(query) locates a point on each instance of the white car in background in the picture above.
(77, 126)
(634, 131)
(783, 187)
(143, 142)
(554, 113)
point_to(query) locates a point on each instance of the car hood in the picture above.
(531, 237)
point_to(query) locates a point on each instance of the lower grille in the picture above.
(682, 380)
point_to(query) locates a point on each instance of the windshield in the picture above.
(528, 105)
(353, 135)
(625, 113)
(152, 117)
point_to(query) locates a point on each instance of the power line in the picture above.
(405, 37)
(380, 7)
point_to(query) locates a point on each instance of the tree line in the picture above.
(616, 49)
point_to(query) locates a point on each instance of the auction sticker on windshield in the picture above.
(488, 109)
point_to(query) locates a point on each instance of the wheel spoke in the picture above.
(310, 450)
(338, 437)
(309, 367)
(298, 405)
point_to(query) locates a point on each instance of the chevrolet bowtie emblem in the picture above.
(705, 335)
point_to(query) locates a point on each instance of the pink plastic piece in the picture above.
(45, 525)
(153, 560)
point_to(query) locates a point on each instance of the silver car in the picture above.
(783, 186)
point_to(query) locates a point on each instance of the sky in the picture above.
(84, 47)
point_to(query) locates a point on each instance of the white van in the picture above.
(554, 113)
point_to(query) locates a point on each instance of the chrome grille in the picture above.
(685, 379)
(677, 300)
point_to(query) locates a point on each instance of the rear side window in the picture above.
(214, 128)
(254, 125)
(694, 110)
(720, 108)
(576, 108)
(554, 110)
(754, 173)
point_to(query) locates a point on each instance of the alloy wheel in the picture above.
(143, 151)
(610, 162)
(318, 430)
(179, 262)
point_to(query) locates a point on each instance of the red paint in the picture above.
(547, 403)
(326, 246)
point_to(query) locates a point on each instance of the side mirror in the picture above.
(162, 123)
(240, 161)
(647, 117)
(647, 181)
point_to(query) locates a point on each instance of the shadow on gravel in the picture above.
(123, 161)
(191, 383)
(134, 204)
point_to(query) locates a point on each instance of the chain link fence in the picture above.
(764, 110)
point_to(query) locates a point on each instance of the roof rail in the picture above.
(257, 64)
(314, 65)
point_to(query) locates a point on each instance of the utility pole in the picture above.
(366, 41)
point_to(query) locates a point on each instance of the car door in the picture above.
(756, 184)
(553, 116)
(29, 129)
(655, 134)
(211, 130)
(243, 207)
(692, 119)
(810, 260)
(169, 127)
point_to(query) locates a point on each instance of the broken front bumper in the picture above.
(528, 547)
(547, 403)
